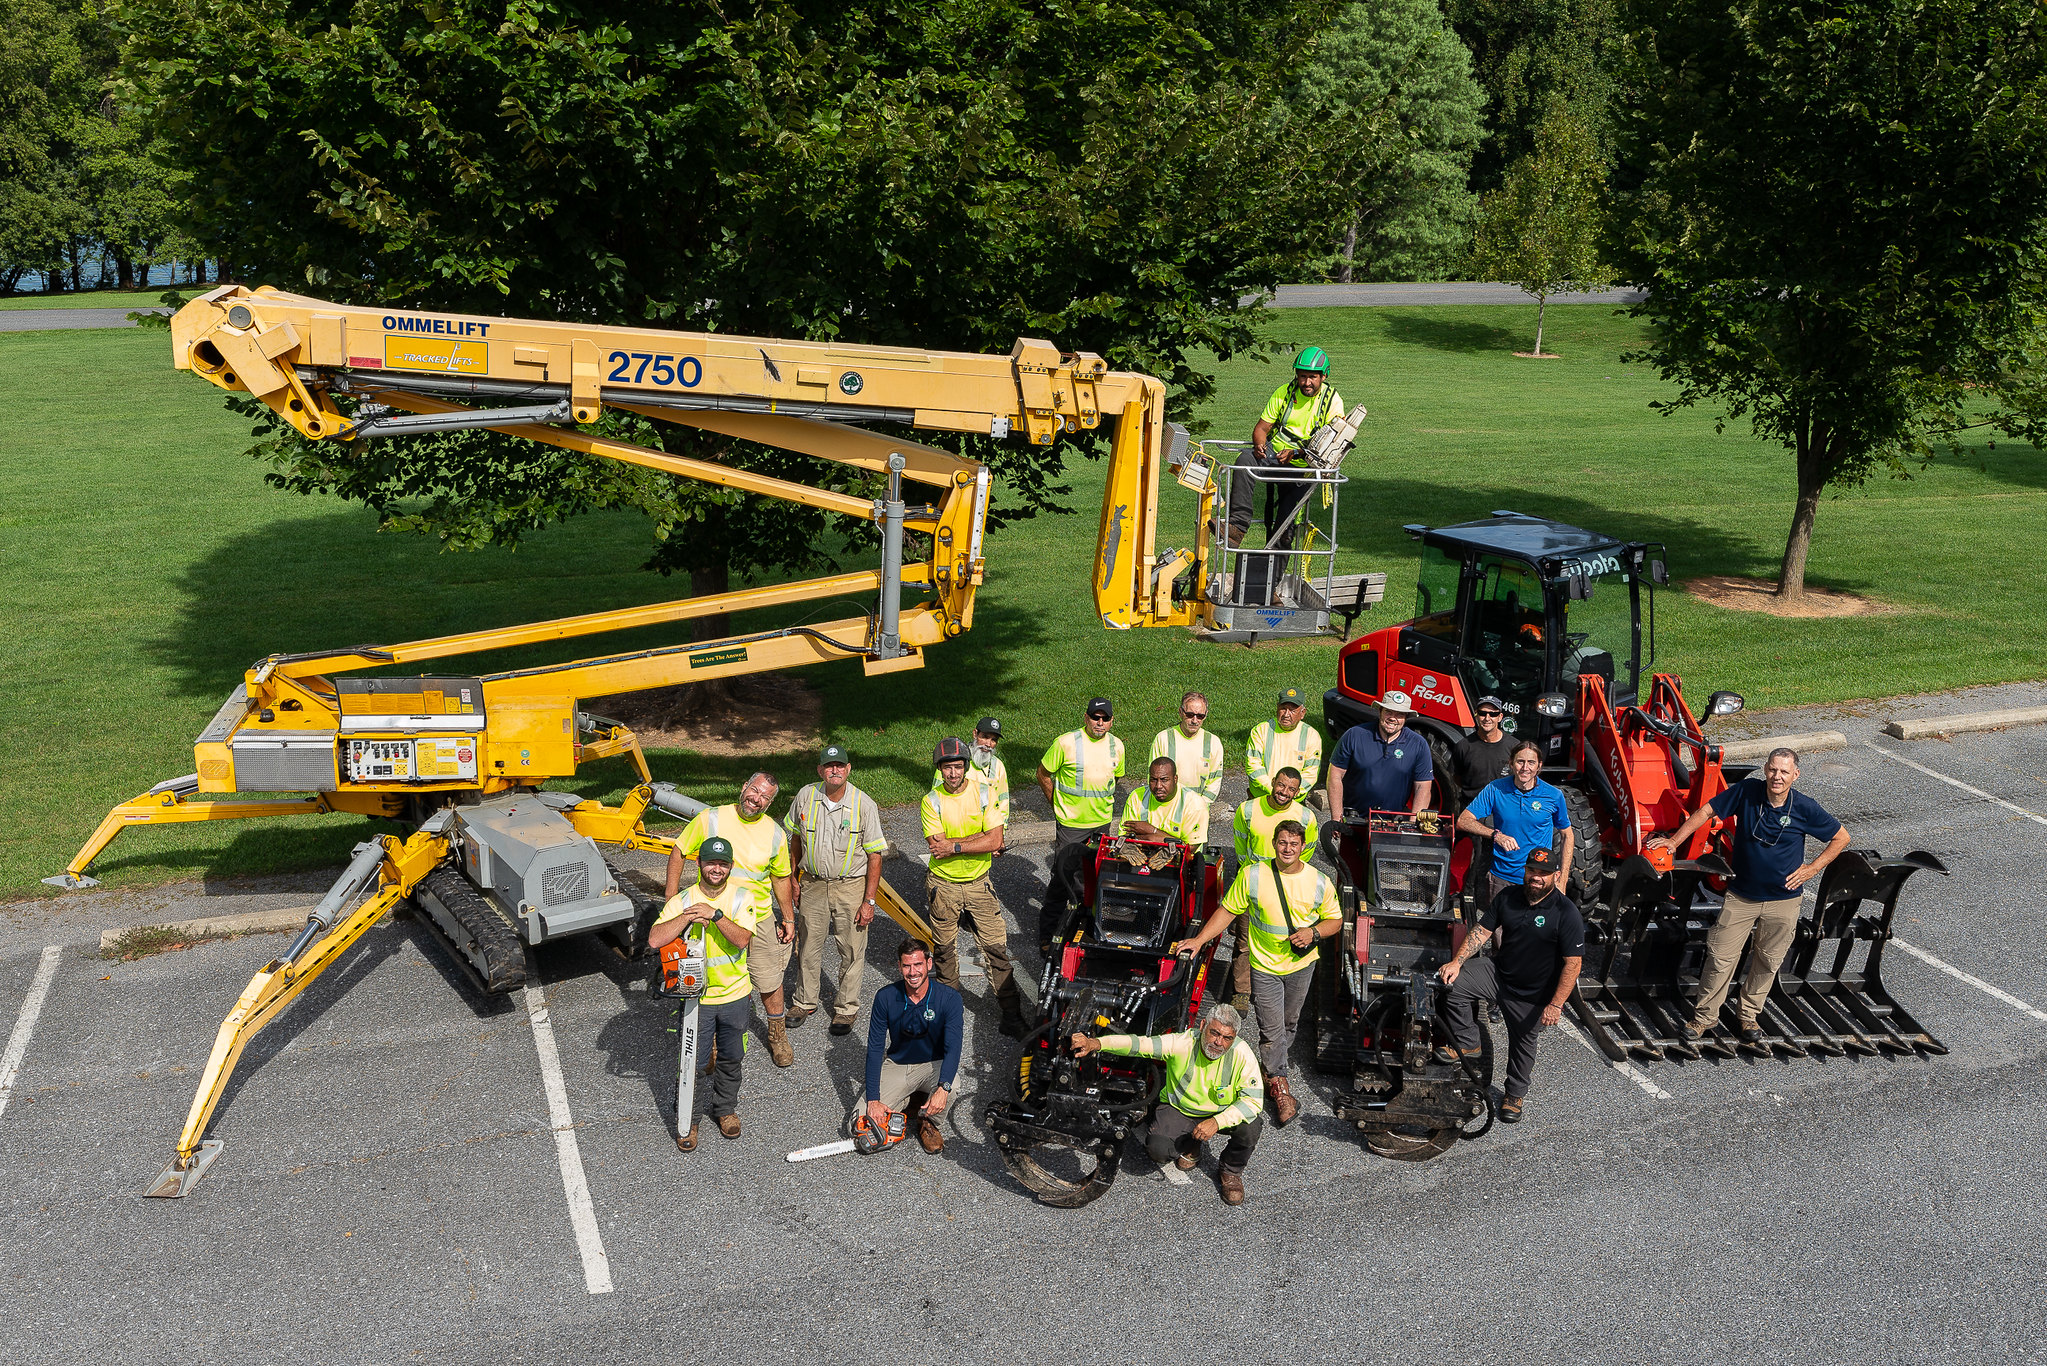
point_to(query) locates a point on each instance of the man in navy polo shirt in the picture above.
(1384, 767)
(1518, 814)
(1771, 823)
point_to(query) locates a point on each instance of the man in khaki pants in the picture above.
(1771, 823)
(835, 834)
(963, 830)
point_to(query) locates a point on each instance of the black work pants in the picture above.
(1066, 881)
(726, 1025)
(1172, 1133)
(1282, 499)
(1478, 982)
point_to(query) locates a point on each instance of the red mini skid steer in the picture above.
(1550, 619)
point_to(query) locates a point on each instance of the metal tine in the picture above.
(1813, 1030)
(1790, 1037)
(1840, 1029)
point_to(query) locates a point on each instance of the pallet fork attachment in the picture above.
(393, 868)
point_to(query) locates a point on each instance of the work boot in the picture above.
(1241, 1003)
(795, 1015)
(1014, 1025)
(929, 1136)
(1231, 1184)
(687, 1143)
(1237, 534)
(1284, 1106)
(778, 1042)
(1186, 1161)
(728, 1125)
(842, 1025)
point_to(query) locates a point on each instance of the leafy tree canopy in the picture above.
(1541, 229)
(950, 174)
(1843, 221)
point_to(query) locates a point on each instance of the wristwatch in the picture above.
(955, 846)
(717, 914)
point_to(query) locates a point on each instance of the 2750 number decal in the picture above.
(688, 372)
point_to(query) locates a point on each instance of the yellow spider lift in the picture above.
(495, 861)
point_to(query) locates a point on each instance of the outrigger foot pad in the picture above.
(176, 1180)
(71, 882)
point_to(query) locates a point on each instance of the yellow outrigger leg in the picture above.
(396, 868)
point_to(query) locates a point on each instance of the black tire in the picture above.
(1587, 885)
(1449, 797)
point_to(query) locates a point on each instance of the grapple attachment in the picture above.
(1646, 950)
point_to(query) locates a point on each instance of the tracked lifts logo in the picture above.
(1426, 690)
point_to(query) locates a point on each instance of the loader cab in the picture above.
(1512, 605)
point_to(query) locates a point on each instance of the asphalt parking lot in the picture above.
(392, 1186)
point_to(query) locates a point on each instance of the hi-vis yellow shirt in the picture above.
(995, 778)
(1272, 749)
(1231, 1089)
(1084, 772)
(1258, 818)
(959, 816)
(725, 975)
(1310, 896)
(1197, 759)
(1182, 816)
(1295, 417)
(760, 847)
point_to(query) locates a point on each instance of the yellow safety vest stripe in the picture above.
(1231, 1089)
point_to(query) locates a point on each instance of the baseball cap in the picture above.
(1491, 701)
(1541, 859)
(988, 725)
(1291, 697)
(716, 849)
(1099, 706)
(951, 747)
(834, 754)
(1395, 701)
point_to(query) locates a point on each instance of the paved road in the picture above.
(391, 1184)
(66, 319)
(1454, 292)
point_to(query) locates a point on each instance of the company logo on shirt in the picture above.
(1400, 754)
(930, 1014)
(1535, 806)
(1540, 921)
(1784, 820)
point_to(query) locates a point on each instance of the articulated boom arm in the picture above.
(1650, 764)
(372, 746)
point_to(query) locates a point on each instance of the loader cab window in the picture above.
(1599, 635)
(1435, 595)
(1508, 645)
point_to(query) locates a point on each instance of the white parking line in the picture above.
(2013, 807)
(25, 1023)
(1626, 1069)
(582, 1215)
(1977, 982)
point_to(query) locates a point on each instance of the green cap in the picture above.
(716, 849)
(834, 754)
(1313, 359)
(1291, 697)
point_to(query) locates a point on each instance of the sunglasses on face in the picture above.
(1194, 715)
(1492, 715)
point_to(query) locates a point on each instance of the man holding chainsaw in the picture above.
(1296, 410)
(1212, 1084)
(913, 1053)
(760, 861)
(1291, 908)
(718, 915)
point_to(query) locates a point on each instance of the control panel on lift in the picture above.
(410, 730)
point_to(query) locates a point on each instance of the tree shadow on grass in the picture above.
(2009, 462)
(1412, 327)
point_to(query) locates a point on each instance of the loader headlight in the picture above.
(1723, 704)
(1553, 704)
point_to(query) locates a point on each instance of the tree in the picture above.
(1396, 86)
(951, 174)
(1842, 223)
(1532, 56)
(1541, 229)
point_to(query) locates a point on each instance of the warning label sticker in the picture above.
(435, 353)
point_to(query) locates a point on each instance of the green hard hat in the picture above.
(1313, 359)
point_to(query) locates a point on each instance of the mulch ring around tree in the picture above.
(1760, 595)
(768, 713)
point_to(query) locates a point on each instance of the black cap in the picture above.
(1491, 701)
(951, 747)
(1099, 706)
(988, 725)
(1541, 859)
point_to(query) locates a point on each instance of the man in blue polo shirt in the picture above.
(1771, 823)
(1518, 814)
(913, 1049)
(1386, 767)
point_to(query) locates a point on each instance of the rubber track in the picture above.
(494, 952)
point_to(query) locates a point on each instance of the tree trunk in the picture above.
(1350, 250)
(124, 269)
(1541, 303)
(704, 583)
(1812, 480)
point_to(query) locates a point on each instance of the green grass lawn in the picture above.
(98, 298)
(151, 566)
